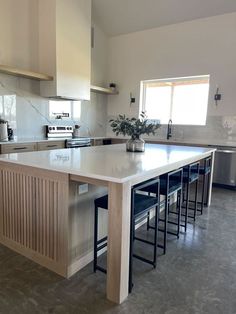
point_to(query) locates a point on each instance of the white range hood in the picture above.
(65, 48)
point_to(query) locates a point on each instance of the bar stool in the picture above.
(140, 206)
(205, 172)
(170, 184)
(190, 176)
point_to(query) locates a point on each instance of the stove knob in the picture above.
(50, 128)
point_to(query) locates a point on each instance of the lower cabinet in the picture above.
(118, 140)
(30, 147)
(51, 145)
(18, 148)
(99, 142)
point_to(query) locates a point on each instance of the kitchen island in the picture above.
(37, 215)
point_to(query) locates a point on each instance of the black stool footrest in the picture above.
(169, 232)
(99, 248)
(102, 240)
(144, 241)
(101, 269)
(170, 212)
(144, 260)
(189, 216)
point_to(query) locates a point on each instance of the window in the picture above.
(68, 110)
(183, 100)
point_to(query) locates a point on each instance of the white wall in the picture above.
(204, 46)
(19, 48)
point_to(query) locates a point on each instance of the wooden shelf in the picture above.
(102, 90)
(25, 73)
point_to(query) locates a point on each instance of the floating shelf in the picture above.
(102, 90)
(25, 73)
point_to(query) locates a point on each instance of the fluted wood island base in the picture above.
(35, 205)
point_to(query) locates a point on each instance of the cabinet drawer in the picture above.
(51, 145)
(17, 148)
(97, 142)
(118, 140)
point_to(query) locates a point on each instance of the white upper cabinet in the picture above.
(65, 48)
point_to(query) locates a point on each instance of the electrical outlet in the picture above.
(82, 188)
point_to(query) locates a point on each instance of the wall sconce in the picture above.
(217, 96)
(132, 99)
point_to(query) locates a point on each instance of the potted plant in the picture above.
(134, 128)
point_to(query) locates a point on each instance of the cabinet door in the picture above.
(18, 148)
(51, 145)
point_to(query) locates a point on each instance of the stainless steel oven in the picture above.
(66, 131)
(78, 142)
(54, 131)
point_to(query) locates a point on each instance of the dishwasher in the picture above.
(225, 167)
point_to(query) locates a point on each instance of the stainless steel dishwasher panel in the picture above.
(225, 167)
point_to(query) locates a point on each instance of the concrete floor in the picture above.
(197, 275)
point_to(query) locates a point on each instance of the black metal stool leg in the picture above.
(186, 208)
(165, 222)
(208, 187)
(148, 220)
(195, 200)
(179, 211)
(95, 238)
(203, 193)
(155, 236)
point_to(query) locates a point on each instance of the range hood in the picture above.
(65, 48)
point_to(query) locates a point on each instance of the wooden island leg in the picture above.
(118, 241)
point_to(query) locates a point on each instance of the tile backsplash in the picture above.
(28, 113)
(217, 128)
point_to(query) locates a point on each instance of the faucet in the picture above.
(169, 133)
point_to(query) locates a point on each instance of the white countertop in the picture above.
(111, 162)
(203, 142)
(39, 140)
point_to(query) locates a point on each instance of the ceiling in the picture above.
(117, 17)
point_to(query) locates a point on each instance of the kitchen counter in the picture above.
(188, 142)
(39, 140)
(112, 162)
(211, 143)
(198, 142)
(41, 218)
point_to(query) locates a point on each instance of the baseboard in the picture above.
(82, 262)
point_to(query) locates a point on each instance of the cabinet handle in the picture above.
(51, 145)
(20, 148)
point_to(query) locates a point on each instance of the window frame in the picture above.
(172, 80)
